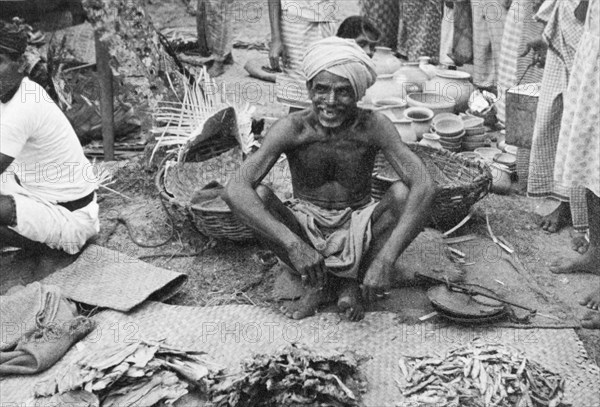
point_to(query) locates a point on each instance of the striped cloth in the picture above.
(385, 15)
(302, 23)
(578, 154)
(297, 36)
(563, 33)
(488, 26)
(419, 30)
(219, 27)
(520, 27)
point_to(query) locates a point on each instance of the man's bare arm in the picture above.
(277, 48)
(421, 190)
(240, 193)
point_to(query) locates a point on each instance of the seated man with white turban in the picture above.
(332, 234)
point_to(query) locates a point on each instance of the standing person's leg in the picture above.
(589, 262)
(219, 16)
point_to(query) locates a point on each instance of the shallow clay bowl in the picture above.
(449, 127)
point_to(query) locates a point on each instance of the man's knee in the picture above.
(397, 194)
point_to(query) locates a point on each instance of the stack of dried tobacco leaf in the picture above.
(137, 373)
(480, 375)
(294, 376)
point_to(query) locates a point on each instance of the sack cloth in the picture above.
(38, 328)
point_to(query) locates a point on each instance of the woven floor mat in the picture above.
(231, 333)
(109, 279)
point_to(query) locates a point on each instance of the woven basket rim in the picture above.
(484, 171)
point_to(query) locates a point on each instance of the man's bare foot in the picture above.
(579, 242)
(307, 305)
(591, 320)
(592, 300)
(558, 219)
(350, 300)
(589, 262)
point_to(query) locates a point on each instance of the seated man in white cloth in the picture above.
(332, 234)
(47, 189)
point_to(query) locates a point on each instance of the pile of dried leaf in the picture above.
(293, 376)
(480, 375)
(138, 373)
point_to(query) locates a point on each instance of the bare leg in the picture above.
(313, 297)
(217, 68)
(590, 261)
(592, 300)
(350, 301)
(558, 219)
(201, 29)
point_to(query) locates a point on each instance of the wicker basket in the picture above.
(460, 182)
(176, 185)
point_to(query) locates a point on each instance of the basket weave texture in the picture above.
(459, 182)
(178, 182)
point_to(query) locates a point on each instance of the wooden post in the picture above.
(106, 97)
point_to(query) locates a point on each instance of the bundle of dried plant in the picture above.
(123, 374)
(480, 375)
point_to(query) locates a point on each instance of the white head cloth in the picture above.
(342, 57)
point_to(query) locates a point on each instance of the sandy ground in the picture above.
(226, 272)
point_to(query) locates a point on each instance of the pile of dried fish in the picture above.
(480, 375)
(137, 373)
(293, 376)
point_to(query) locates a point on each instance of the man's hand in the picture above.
(276, 51)
(309, 263)
(377, 279)
(539, 48)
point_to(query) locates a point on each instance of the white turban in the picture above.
(342, 57)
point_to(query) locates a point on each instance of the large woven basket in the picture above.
(459, 182)
(176, 184)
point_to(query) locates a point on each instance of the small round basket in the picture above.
(460, 182)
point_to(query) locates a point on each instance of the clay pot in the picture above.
(437, 103)
(383, 88)
(454, 84)
(385, 61)
(501, 178)
(431, 140)
(420, 118)
(410, 78)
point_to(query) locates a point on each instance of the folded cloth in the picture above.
(38, 328)
(341, 236)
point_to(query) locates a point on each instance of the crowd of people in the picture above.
(332, 234)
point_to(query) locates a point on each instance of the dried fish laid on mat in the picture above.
(141, 373)
(293, 376)
(480, 375)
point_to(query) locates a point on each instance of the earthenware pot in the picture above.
(410, 78)
(431, 140)
(437, 103)
(383, 88)
(420, 118)
(501, 178)
(454, 84)
(385, 61)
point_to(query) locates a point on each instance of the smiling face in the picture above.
(333, 99)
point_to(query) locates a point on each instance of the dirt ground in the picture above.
(223, 272)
